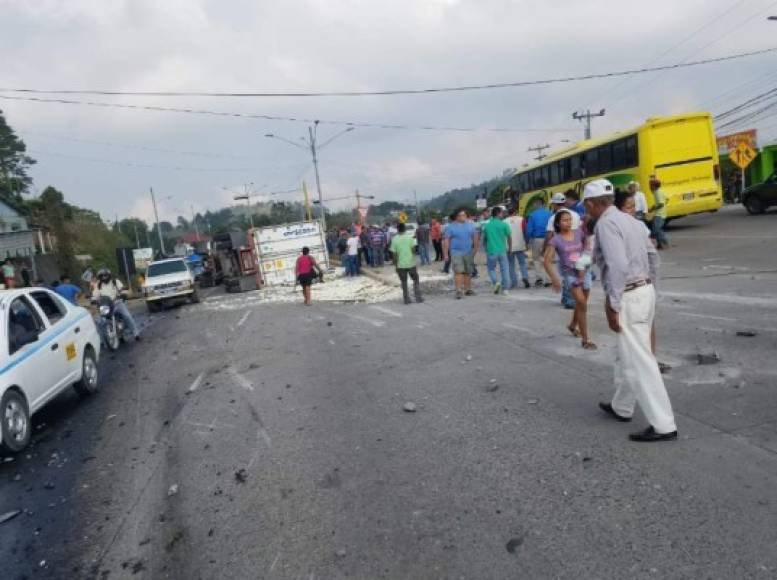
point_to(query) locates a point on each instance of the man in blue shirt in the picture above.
(461, 244)
(536, 227)
(68, 291)
(573, 202)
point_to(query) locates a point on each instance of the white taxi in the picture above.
(46, 345)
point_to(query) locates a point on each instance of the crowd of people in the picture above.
(609, 228)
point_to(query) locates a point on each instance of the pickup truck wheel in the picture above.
(15, 422)
(195, 297)
(89, 383)
(152, 307)
(754, 206)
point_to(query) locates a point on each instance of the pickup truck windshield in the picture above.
(163, 268)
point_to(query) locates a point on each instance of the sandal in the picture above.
(575, 332)
(590, 346)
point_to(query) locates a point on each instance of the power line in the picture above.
(748, 103)
(282, 118)
(391, 92)
(674, 47)
(138, 165)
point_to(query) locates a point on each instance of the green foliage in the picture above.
(14, 163)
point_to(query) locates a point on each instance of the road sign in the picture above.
(743, 155)
(481, 203)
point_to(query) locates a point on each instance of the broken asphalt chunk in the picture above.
(172, 490)
(513, 544)
(748, 333)
(710, 358)
(241, 475)
(409, 407)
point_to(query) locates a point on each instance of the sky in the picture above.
(107, 158)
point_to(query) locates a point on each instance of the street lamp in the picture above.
(312, 143)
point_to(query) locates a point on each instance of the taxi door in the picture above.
(35, 366)
(61, 340)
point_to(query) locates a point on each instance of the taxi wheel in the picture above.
(89, 383)
(15, 418)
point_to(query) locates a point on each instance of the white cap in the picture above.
(558, 198)
(597, 188)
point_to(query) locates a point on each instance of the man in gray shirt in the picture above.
(629, 266)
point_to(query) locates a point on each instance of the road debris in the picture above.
(409, 407)
(340, 553)
(173, 490)
(711, 358)
(241, 475)
(8, 516)
(532, 401)
(468, 357)
(513, 544)
(493, 387)
(748, 333)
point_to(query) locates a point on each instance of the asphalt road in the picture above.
(245, 439)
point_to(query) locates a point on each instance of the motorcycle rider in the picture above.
(112, 288)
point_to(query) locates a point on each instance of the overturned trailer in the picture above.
(278, 247)
(235, 262)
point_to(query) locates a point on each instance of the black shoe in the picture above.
(419, 300)
(407, 301)
(649, 435)
(526, 284)
(607, 408)
(539, 283)
(138, 338)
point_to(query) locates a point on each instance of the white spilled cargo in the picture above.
(278, 247)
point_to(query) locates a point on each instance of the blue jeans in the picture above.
(120, 309)
(423, 253)
(566, 292)
(659, 234)
(351, 265)
(491, 261)
(519, 255)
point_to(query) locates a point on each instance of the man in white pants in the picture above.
(629, 266)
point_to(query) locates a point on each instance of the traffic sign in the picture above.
(743, 155)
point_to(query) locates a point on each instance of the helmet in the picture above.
(104, 274)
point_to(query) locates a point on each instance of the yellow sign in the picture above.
(402, 217)
(743, 155)
(70, 351)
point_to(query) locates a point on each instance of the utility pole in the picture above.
(539, 149)
(156, 218)
(194, 221)
(313, 151)
(587, 117)
(308, 212)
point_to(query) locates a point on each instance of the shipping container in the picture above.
(278, 248)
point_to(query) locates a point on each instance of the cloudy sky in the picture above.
(106, 158)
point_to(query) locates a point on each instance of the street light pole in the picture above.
(313, 151)
(156, 218)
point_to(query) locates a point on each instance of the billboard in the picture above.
(142, 257)
(728, 143)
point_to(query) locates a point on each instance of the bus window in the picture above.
(575, 171)
(619, 154)
(546, 176)
(605, 158)
(536, 178)
(632, 154)
(591, 163)
(525, 181)
(554, 180)
(563, 170)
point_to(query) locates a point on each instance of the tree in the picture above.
(136, 230)
(14, 163)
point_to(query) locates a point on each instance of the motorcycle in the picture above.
(112, 324)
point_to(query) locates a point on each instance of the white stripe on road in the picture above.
(387, 311)
(730, 298)
(240, 379)
(196, 383)
(708, 316)
(245, 317)
(520, 328)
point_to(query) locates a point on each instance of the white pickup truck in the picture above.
(169, 281)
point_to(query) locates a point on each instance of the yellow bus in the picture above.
(681, 151)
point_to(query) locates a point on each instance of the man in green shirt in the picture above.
(402, 248)
(659, 213)
(498, 244)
